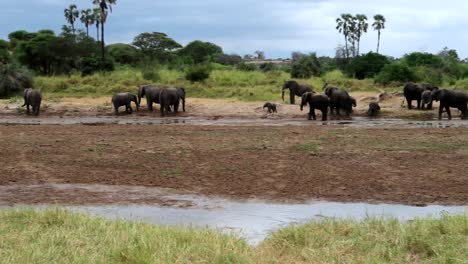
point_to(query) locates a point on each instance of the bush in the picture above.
(246, 67)
(429, 75)
(422, 59)
(124, 53)
(367, 66)
(13, 79)
(90, 65)
(151, 74)
(306, 67)
(395, 72)
(198, 73)
(266, 67)
(226, 59)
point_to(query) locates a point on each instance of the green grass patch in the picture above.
(58, 236)
(223, 83)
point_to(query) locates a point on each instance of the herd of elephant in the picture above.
(333, 98)
(336, 99)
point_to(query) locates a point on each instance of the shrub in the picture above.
(306, 67)
(151, 74)
(90, 65)
(246, 67)
(268, 66)
(429, 75)
(13, 79)
(124, 53)
(367, 66)
(395, 72)
(198, 73)
(422, 59)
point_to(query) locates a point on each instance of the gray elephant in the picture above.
(451, 98)
(374, 109)
(271, 107)
(316, 101)
(151, 93)
(295, 89)
(32, 98)
(339, 99)
(414, 91)
(171, 97)
(124, 99)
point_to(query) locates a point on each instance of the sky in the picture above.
(277, 27)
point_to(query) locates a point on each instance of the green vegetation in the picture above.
(57, 236)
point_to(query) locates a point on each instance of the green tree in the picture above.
(423, 59)
(306, 67)
(87, 18)
(105, 6)
(20, 35)
(395, 72)
(362, 27)
(71, 14)
(367, 66)
(155, 45)
(343, 27)
(4, 52)
(123, 53)
(379, 25)
(199, 51)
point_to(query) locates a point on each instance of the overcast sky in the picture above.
(277, 27)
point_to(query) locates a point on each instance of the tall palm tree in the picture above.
(379, 24)
(105, 6)
(87, 18)
(97, 20)
(71, 14)
(352, 33)
(362, 27)
(342, 25)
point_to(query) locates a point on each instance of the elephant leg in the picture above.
(183, 104)
(292, 98)
(311, 110)
(150, 105)
(447, 108)
(419, 103)
(176, 108)
(441, 110)
(116, 110)
(130, 109)
(313, 114)
(409, 103)
(38, 110)
(324, 115)
(429, 106)
(28, 111)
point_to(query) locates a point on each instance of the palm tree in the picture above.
(352, 33)
(362, 27)
(87, 18)
(379, 24)
(342, 25)
(104, 5)
(71, 14)
(97, 20)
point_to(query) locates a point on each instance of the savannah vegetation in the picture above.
(56, 235)
(75, 63)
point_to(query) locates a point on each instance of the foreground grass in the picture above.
(233, 84)
(57, 236)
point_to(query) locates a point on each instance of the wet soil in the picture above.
(287, 163)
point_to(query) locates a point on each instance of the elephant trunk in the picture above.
(282, 95)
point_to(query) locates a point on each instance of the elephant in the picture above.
(124, 99)
(414, 91)
(451, 98)
(316, 101)
(32, 98)
(339, 99)
(271, 107)
(374, 109)
(171, 97)
(295, 89)
(426, 99)
(151, 93)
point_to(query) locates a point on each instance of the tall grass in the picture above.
(223, 83)
(57, 236)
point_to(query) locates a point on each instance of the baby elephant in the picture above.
(125, 99)
(374, 109)
(32, 98)
(271, 107)
(316, 101)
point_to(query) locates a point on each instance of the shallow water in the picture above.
(357, 122)
(255, 220)
(252, 219)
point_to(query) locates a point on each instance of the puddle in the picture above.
(357, 122)
(253, 220)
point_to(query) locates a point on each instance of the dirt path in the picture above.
(409, 166)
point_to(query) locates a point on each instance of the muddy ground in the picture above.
(335, 163)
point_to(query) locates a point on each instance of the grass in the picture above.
(58, 236)
(223, 83)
